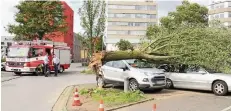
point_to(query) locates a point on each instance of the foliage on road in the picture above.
(37, 18)
(87, 71)
(124, 45)
(187, 13)
(92, 15)
(112, 96)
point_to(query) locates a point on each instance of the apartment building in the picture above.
(128, 20)
(220, 10)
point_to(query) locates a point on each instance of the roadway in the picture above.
(38, 93)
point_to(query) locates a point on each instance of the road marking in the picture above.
(11, 79)
(227, 109)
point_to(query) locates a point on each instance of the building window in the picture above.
(151, 7)
(140, 24)
(138, 32)
(221, 15)
(151, 16)
(111, 15)
(229, 4)
(140, 7)
(127, 32)
(140, 15)
(229, 14)
(2, 43)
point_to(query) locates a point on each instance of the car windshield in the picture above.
(18, 51)
(138, 63)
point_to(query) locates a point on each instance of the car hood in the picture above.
(150, 70)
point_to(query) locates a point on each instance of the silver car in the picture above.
(197, 78)
(141, 74)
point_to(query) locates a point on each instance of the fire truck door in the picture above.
(48, 50)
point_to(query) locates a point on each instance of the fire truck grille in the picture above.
(16, 64)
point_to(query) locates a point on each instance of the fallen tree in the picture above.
(205, 46)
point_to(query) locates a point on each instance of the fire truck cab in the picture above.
(28, 56)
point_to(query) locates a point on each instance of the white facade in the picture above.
(128, 20)
(220, 10)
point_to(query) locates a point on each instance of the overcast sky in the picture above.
(8, 11)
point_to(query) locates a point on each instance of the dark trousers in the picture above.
(45, 68)
(56, 68)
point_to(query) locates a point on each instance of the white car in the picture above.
(194, 77)
(141, 74)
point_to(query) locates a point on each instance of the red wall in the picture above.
(68, 36)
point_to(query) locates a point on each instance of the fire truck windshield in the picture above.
(18, 52)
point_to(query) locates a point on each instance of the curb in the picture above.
(11, 79)
(61, 102)
(68, 91)
(130, 104)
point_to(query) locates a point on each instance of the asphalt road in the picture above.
(191, 101)
(37, 93)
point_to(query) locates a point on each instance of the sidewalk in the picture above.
(186, 102)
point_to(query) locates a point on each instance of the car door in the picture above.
(118, 71)
(178, 77)
(198, 79)
(107, 70)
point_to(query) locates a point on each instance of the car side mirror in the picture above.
(124, 68)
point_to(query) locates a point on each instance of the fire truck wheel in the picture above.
(61, 69)
(37, 72)
(18, 73)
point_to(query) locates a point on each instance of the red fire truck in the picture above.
(28, 56)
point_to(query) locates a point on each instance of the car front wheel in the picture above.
(18, 73)
(169, 84)
(61, 69)
(220, 88)
(133, 85)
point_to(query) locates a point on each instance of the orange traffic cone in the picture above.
(154, 107)
(101, 108)
(76, 99)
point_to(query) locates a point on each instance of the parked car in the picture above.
(198, 78)
(141, 74)
(3, 66)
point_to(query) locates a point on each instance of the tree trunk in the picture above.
(99, 58)
(41, 34)
(120, 55)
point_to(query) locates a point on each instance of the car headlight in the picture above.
(145, 80)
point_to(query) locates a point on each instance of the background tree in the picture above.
(92, 15)
(124, 45)
(187, 13)
(37, 18)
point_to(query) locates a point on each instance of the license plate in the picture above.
(160, 82)
(15, 69)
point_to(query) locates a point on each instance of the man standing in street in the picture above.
(46, 62)
(56, 64)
